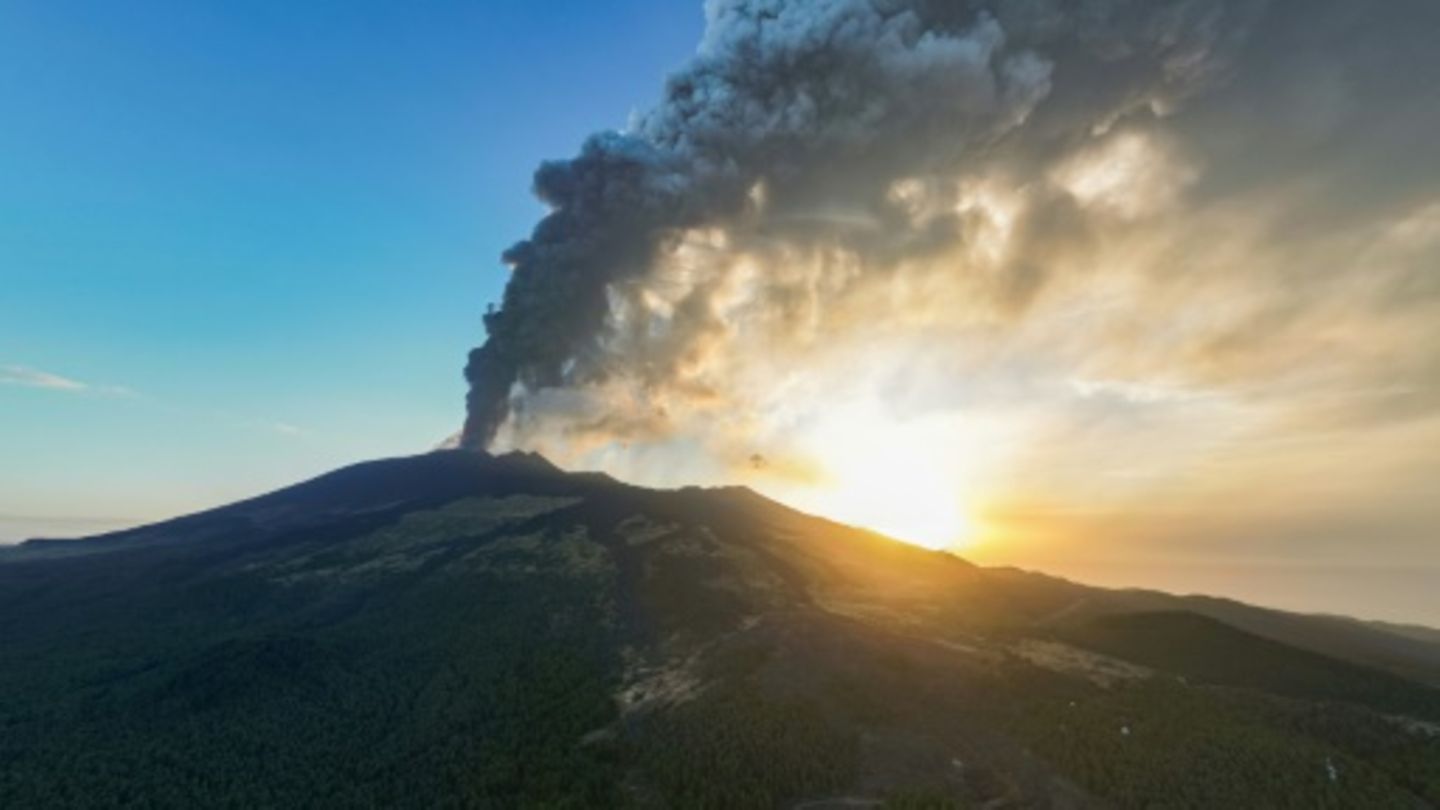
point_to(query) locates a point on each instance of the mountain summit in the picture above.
(461, 629)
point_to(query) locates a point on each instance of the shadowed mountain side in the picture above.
(473, 630)
(1205, 649)
(1408, 651)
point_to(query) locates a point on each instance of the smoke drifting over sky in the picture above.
(791, 129)
(1089, 253)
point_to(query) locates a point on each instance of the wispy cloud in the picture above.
(252, 424)
(34, 378)
(26, 377)
(22, 376)
(1134, 392)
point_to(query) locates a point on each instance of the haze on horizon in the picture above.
(1148, 295)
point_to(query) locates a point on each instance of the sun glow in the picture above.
(909, 480)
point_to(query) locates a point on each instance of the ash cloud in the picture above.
(792, 124)
(1173, 250)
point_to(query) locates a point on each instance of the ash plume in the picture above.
(792, 108)
(1204, 185)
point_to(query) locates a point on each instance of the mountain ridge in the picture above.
(493, 631)
(411, 482)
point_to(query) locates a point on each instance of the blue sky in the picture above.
(244, 243)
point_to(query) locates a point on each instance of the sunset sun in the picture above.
(912, 480)
(912, 502)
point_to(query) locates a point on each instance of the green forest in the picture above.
(568, 642)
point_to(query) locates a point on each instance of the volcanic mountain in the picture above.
(460, 629)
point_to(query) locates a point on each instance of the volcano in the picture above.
(468, 630)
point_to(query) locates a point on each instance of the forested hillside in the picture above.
(472, 631)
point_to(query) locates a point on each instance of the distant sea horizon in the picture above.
(1392, 593)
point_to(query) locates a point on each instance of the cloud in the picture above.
(1175, 252)
(33, 378)
(27, 377)
(251, 424)
(1132, 392)
(815, 155)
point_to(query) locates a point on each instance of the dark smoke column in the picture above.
(611, 207)
(828, 103)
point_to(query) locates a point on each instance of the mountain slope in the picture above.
(466, 630)
(1407, 651)
(1207, 650)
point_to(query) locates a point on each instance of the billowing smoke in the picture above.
(792, 127)
(1055, 255)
